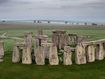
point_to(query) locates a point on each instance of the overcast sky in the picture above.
(76, 10)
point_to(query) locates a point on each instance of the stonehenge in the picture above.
(25, 54)
(39, 48)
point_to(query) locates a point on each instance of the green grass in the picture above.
(8, 70)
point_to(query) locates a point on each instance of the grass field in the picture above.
(8, 70)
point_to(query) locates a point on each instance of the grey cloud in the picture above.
(100, 4)
(4, 1)
(31, 8)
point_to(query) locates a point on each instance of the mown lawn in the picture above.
(8, 70)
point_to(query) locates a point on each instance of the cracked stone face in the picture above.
(72, 39)
(39, 56)
(80, 55)
(91, 53)
(53, 55)
(67, 59)
(100, 51)
(60, 39)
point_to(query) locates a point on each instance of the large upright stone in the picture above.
(1, 51)
(60, 38)
(80, 54)
(90, 53)
(46, 49)
(104, 49)
(67, 59)
(39, 56)
(26, 55)
(53, 55)
(15, 54)
(100, 52)
(39, 39)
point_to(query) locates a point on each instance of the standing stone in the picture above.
(46, 49)
(53, 55)
(67, 59)
(39, 56)
(63, 40)
(100, 52)
(26, 55)
(1, 51)
(104, 48)
(39, 39)
(27, 49)
(55, 39)
(72, 39)
(59, 38)
(15, 54)
(80, 56)
(91, 53)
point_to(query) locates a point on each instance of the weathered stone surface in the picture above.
(72, 39)
(53, 55)
(46, 49)
(28, 40)
(104, 49)
(40, 39)
(26, 56)
(1, 49)
(60, 39)
(100, 52)
(91, 53)
(67, 59)
(63, 41)
(15, 54)
(39, 50)
(27, 49)
(39, 56)
(80, 54)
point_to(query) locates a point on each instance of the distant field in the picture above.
(8, 70)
